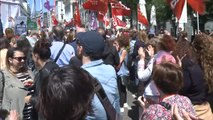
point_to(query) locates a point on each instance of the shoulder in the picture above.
(156, 111)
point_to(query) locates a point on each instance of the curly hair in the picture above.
(166, 43)
(203, 46)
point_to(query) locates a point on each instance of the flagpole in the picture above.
(198, 27)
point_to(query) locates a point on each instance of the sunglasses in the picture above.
(19, 58)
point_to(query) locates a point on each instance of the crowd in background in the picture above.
(49, 74)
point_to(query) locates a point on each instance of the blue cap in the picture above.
(91, 41)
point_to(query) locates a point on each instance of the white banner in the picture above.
(8, 14)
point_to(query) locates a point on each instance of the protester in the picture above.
(57, 44)
(17, 79)
(91, 55)
(122, 43)
(202, 45)
(110, 54)
(195, 87)
(41, 57)
(66, 94)
(164, 46)
(168, 78)
(4, 45)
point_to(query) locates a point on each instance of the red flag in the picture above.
(96, 5)
(77, 17)
(120, 9)
(54, 20)
(177, 7)
(39, 22)
(101, 15)
(197, 5)
(118, 22)
(141, 18)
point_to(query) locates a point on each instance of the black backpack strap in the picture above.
(2, 78)
(59, 53)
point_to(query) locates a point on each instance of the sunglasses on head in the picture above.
(19, 58)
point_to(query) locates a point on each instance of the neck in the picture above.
(85, 60)
(13, 70)
(41, 64)
(165, 96)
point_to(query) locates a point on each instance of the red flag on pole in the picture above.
(197, 5)
(96, 5)
(119, 9)
(77, 17)
(177, 7)
(141, 18)
(54, 20)
(118, 22)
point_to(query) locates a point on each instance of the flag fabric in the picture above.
(118, 23)
(197, 5)
(120, 9)
(153, 16)
(54, 20)
(141, 18)
(176, 6)
(101, 16)
(93, 25)
(183, 17)
(77, 17)
(96, 5)
(47, 5)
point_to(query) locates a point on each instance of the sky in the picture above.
(38, 4)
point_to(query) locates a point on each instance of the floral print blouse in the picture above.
(159, 112)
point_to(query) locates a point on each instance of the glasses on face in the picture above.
(19, 58)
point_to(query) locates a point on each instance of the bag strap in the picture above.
(110, 110)
(59, 53)
(2, 90)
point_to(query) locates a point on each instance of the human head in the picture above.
(58, 33)
(15, 59)
(24, 44)
(41, 51)
(90, 44)
(203, 46)
(66, 94)
(166, 43)
(4, 43)
(9, 33)
(101, 31)
(168, 77)
(123, 41)
(142, 36)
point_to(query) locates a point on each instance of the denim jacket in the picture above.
(106, 75)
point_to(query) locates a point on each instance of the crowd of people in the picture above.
(50, 75)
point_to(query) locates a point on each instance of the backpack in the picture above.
(2, 83)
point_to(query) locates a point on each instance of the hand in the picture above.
(179, 60)
(27, 99)
(150, 51)
(13, 115)
(141, 53)
(186, 116)
(143, 102)
(28, 83)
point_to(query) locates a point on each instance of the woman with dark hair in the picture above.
(25, 46)
(17, 81)
(66, 94)
(122, 44)
(4, 45)
(41, 57)
(168, 78)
